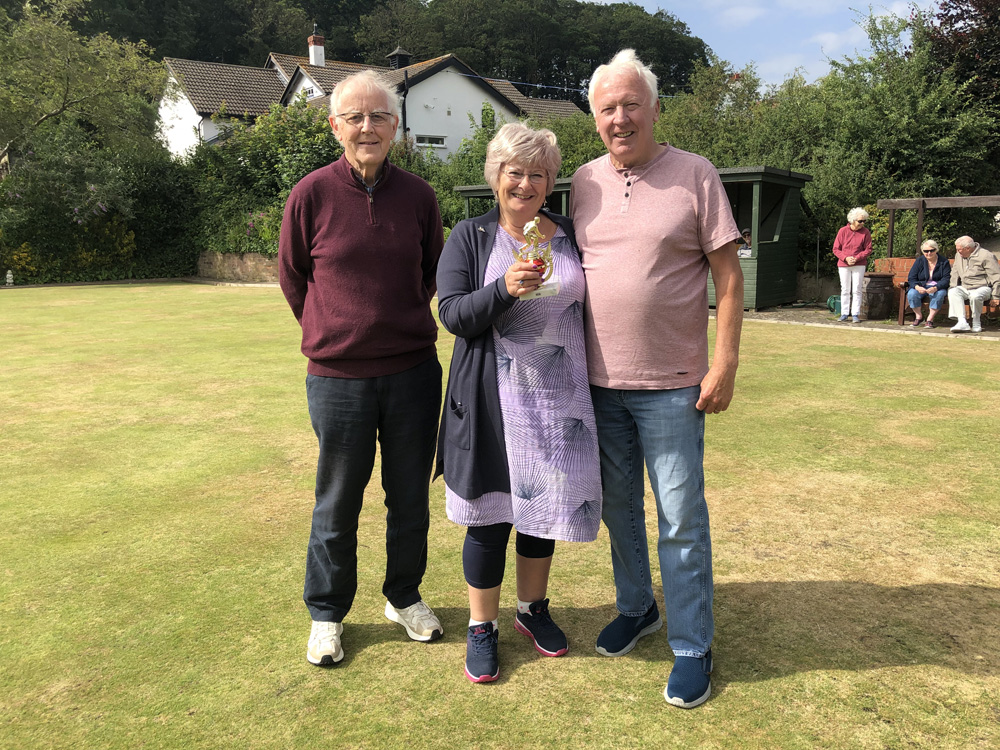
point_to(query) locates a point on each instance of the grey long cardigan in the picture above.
(471, 452)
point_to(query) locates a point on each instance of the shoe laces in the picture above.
(419, 614)
(482, 640)
(326, 633)
(541, 619)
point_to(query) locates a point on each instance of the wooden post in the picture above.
(920, 223)
(892, 224)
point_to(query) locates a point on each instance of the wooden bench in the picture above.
(900, 270)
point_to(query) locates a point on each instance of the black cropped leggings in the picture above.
(484, 554)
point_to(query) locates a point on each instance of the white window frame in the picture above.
(431, 141)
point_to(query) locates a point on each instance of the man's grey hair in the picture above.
(625, 62)
(516, 143)
(856, 214)
(965, 241)
(929, 244)
(369, 82)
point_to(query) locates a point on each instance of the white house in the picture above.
(436, 97)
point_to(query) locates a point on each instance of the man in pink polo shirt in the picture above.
(652, 221)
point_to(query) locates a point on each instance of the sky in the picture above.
(779, 36)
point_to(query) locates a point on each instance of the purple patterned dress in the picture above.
(548, 418)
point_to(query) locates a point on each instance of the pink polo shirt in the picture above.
(645, 233)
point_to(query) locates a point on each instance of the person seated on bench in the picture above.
(929, 276)
(975, 278)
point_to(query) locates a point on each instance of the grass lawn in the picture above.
(156, 471)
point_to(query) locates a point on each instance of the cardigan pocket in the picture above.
(459, 431)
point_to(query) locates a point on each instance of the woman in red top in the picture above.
(852, 248)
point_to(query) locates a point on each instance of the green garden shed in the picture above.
(765, 199)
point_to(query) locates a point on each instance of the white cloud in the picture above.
(813, 7)
(777, 69)
(741, 15)
(835, 43)
(900, 9)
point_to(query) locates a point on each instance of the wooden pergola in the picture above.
(966, 201)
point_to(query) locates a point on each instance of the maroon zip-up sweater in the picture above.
(357, 267)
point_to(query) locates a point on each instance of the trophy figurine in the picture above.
(530, 253)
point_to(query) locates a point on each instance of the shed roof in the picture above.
(764, 171)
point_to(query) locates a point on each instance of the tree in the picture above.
(77, 135)
(242, 182)
(717, 117)
(396, 23)
(964, 38)
(49, 72)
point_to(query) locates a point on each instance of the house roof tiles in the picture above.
(540, 108)
(251, 91)
(243, 90)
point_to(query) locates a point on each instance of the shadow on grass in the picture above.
(768, 630)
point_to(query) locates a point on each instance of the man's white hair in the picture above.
(369, 82)
(965, 241)
(856, 214)
(625, 62)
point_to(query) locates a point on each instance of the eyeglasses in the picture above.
(928, 252)
(535, 178)
(746, 234)
(357, 119)
(862, 221)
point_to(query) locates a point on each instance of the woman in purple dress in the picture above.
(518, 445)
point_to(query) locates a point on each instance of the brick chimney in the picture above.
(317, 50)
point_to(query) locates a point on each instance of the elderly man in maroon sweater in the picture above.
(358, 253)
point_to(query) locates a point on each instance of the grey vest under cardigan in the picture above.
(471, 451)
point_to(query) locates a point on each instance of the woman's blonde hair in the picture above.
(516, 143)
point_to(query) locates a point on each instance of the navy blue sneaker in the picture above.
(689, 684)
(537, 624)
(482, 663)
(620, 637)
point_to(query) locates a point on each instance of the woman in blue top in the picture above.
(929, 276)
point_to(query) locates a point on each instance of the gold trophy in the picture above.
(530, 253)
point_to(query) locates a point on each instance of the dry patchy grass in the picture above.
(156, 489)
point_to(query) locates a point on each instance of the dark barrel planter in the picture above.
(878, 299)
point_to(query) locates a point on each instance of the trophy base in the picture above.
(549, 289)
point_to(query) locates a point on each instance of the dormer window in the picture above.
(309, 91)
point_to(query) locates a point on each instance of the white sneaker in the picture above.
(418, 619)
(977, 329)
(961, 327)
(324, 644)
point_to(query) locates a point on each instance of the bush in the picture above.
(241, 184)
(74, 210)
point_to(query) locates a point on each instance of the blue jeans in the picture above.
(401, 412)
(916, 299)
(664, 428)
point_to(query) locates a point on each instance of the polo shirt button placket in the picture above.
(628, 192)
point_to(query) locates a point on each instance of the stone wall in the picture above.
(810, 289)
(251, 267)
